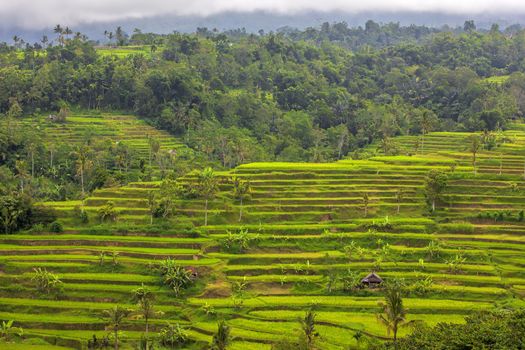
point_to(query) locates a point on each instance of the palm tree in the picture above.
(83, 163)
(475, 144)
(366, 200)
(114, 317)
(399, 198)
(207, 188)
(154, 148)
(32, 148)
(152, 205)
(21, 169)
(67, 32)
(59, 30)
(241, 189)
(145, 300)
(308, 328)
(221, 339)
(393, 313)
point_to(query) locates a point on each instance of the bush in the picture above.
(56, 227)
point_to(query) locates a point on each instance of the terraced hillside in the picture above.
(307, 241)
(105, 130)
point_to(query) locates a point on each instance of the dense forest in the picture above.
(316, 95)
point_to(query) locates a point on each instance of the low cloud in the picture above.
(35, 14)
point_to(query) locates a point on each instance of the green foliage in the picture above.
(108, 212)
(174, 276)
(393, 313)
(56, 227)
(7, 329)
(46, 282)
(238, 242)
(435, 184)
(114, 318)
(499, 329)
(173, 336)
(15, 212)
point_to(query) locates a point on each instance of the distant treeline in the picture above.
(294, 95)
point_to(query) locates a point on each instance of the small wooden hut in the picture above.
(372, 280)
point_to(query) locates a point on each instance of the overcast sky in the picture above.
(36, 14)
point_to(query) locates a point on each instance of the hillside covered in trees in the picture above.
(332, 188)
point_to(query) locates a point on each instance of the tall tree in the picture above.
(366, 201)
(474, 146)
(145, 300)
(393, 313)
(83, 163)
(114, 318)
(308, 328)
(154, 148)
(207, 188)
(241, 190)
(435, 184)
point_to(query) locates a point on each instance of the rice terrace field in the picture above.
(286, 175)
(308, 232)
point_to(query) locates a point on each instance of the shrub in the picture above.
(173, 336)
(108, 212)
(46, 282)
(56, 227)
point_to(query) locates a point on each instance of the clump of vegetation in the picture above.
(175, 276)
(46, 282)
(108, 212)
(173, 336)
(238, 242)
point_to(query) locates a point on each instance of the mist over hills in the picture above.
(255, 21)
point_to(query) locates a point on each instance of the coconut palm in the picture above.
(393, 313)
(399, 198)
(207, 188)
(83, 163)
(475, 145)
(145, 300)
(114, 318)
(152, 205)
(366, 200)
(241, 190)
(308, 328)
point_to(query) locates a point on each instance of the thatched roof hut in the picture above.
(372, 280)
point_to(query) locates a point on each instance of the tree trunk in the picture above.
(398, 208)
(82, 179)
(240, 212)
(395, 338)
(32, 164)
(206, 213)
(433, 205)
(147, 329)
